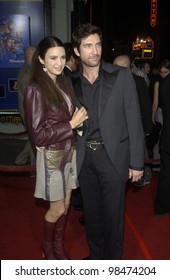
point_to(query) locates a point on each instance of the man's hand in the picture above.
(135, 175)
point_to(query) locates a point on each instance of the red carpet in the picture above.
(146, 236)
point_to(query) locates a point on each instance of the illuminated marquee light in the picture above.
(143, 48)
(153, 13)
(147, 51)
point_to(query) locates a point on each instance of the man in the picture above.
(22, 81)
(142, 70)
(143, 94)
(111, 149)
(162, 201)
(71, 60)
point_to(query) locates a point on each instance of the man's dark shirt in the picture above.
(91, 98)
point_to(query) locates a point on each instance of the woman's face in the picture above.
(164, 72)
(54, 61)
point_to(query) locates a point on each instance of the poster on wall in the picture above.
(14, 37)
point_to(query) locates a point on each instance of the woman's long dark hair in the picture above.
(51, 92)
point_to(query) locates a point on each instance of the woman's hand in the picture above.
(40, 149)
(79, 116)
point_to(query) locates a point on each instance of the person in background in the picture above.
(145, 109)
(52, 117)
(111, 149)
(143, 94)
(162, 201)
(142, 70)
(24, 76)
(71, 60)
(157, 116)
(153, 77)
(145, 68)
(164, 70)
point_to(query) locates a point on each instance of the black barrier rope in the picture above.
(13, 134)
(14, 169)
(29, 168)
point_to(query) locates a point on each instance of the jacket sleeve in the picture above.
(145, 104)
(134, 124)
(46, 125)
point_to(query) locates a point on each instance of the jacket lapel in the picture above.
(78, 90)
(81, 102)
(106, 89)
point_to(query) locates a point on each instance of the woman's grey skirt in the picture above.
(51, 182)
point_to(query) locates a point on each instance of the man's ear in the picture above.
(76, 52)
(41, 60)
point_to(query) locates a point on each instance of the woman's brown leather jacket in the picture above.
(47, 125)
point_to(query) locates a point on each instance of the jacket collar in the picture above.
(109, 73)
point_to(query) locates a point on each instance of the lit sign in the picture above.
(148, 51)
(143, 48)
(143, 43)
(153, 13)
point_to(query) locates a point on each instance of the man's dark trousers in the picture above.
(103, 195)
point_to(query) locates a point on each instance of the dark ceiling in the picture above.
(122, 20)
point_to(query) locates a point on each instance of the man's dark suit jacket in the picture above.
(144, 103)
(119, 119)
(67, 72)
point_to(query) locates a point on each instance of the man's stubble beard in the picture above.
(89, 64)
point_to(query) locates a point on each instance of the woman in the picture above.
(52, 116)
(156, 108)
(157, 117)
(162, 201)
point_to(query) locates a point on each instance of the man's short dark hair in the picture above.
(84, 30)
(69, 50)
